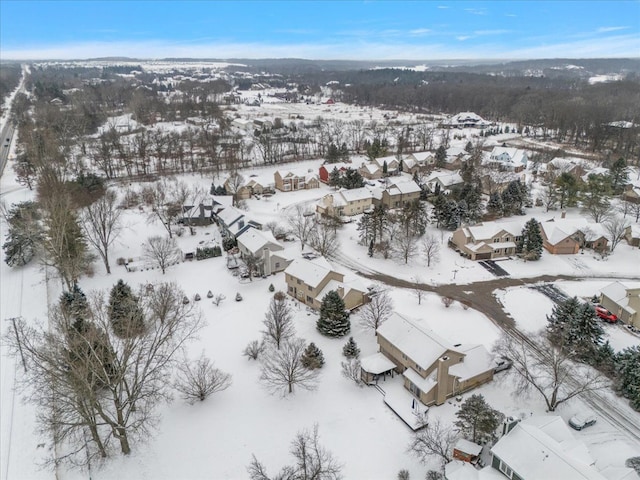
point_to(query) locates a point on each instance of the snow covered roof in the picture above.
(541, 448)
(338, 166)
(490, 229)
(417, 342)
(468, 447)
(377, 363)
(230, 215)
(255, 240)
(598, 171)
(617, 292)
(466, 118)
(458, 470)
(422, 156)
(424, 384)
(370, 167)
(477, 360)
(298, 172)
(403, 188)
(355, 194)
(311, 272)
(389, 159)
(557, 230)
(446, 177)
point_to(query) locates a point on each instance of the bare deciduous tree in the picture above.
(447, 301)
(162, 252)
(253, 350)
(376, 311)
(282, 369)
(324, 240)
(312, 461)
(233, 185)
(616, 227)
(199, 379)
(302, 223)
(101, 224)
(431, 249)
(278, 320)
(352, 370)
(417, 290)
(434, 440)
(217, 299)
(544, 368)
(166, 200)
(254, 264)
(405, 245)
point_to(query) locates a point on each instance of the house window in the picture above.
(496, 240)
(504, 468)
(277, 264)
(287, 187)
(290, 289)
(309, 299)
(299, 281)
(309, 287)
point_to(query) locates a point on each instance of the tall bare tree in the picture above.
(434, 440)
(166, 200)
(302, 223)
(324, 240)
(101, 224)
(543, 368)
(376, 311)
(162, 251)
(278, 320)
(233, 185)
(430, 248)
(312, 461)
(616, 227)
(282, 369)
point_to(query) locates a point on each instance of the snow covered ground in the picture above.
(216, 439)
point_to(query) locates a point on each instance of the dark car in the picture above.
(605, 314)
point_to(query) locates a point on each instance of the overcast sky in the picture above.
(357, 30)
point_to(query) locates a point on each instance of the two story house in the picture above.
(432, 367)
(567, 236)
(310, 280)
(263, 245)
(623, 301)
(297, 179)
(488, 241)
(508, 159)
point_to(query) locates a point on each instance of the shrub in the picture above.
(208, 252)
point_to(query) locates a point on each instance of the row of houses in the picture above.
(562, 236)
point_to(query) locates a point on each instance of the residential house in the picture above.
(297, 179)
(254, 185)
(632, 235)
(400, 192)
(443, 181)
(410, 165)
(622, 301)
(433, 368)
(571, 165)
(466, 451)
(392, 164)
(346, 203)
(325, 170)
(455, 157)
(496, 181)
(233, 221)
(466, 120)
(508, 159)
(242, 124)
(598, 172)
(424, 159)
(631, 194)
(543, 447)
(263, 245)
(567, 236)
(201, 214)
(310, 280)
(370, 171)
(488, 241)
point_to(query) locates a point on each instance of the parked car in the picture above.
(582, 420)
(502, 363)
(605, 314)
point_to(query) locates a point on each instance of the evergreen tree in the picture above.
(344, 152)
(365, 229)
(530, 244)
(125, 314)
(437, 213)
(379, 222)
(619, 175)
(312, 357)
(334, 319)
(352, 179)
(376, 149)
(350, 349)
(514, 198)
(335, 179)
(628, 374)
(441, 157)
(385, 168)
(75, 307)
(24, 234)
(477, 421)
(494, 205)
(333, 154)
(605, 358)
(451, 215)
(574, 327)
(567, 189)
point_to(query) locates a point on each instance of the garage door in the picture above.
(483, 256)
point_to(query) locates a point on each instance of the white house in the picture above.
(445, 179)
(509, 159)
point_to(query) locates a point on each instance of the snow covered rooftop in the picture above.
(255, 240)
(468, 447)
(557, 230)
(377, 363)
(404, 188)
(489, 230)
(311, 272)
(540, 448)
(477, 360)
(417, 342)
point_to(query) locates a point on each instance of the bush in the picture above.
(208, 252)
(121, 261)
(272, 288)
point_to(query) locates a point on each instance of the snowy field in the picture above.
(216, 439)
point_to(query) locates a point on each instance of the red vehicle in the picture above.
(605, 314)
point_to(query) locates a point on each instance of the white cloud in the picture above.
(610, 29)
(476, 11)
(462, 38)
(419, 31)
(443, 7)
(491, 32)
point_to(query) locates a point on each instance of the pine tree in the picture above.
(477, 421)
(574, 327)
(74, 306)
(628, 374)
(350, 349)
(334, 319)
(333, 154)
(441, 156)
(312, 357)
(335, 179)
(494, 206)
(344, 152)
(619, 175)
(530, 244)
(125, 314)
(385, 168)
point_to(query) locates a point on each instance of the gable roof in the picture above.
(311, 272)
(403, 188)
(543, 447)
(421, 344)
(489, 230)
(556, 230)
(255, 240)
(230, 215)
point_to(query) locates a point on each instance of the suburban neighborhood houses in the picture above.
(236, 265)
